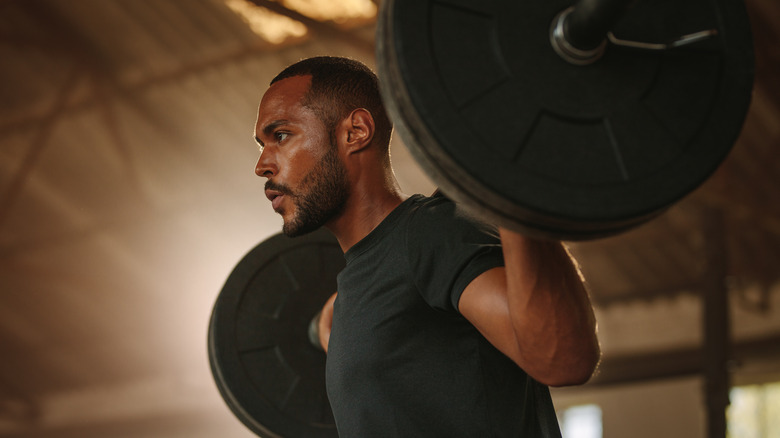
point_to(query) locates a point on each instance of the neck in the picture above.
(369, 203)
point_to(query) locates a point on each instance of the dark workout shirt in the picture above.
(402, 361)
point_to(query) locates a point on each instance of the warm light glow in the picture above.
(339, 11)
(583, 421)
(271, 26)
(754, 411)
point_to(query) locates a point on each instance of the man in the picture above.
(441, 326)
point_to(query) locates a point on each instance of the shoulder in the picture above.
(437, 217)
(424, 208)
(437, 214)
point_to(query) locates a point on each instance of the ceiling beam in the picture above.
(82, 50)
(749, 215)
(646, 294)
(319, 26)
(37, 145)
(677, 363)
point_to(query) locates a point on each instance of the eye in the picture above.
(280, 136)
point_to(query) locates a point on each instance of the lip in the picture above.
(275, 197)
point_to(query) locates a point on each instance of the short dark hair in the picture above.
(338, 86)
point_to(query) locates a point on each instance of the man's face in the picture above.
(307, 182)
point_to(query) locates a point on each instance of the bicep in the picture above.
(484, 304)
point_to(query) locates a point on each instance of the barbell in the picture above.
(559, 121)
(267, 369)
(566, 122)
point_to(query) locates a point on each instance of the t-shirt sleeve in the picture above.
(447, 250)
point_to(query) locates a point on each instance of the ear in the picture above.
(356, 131)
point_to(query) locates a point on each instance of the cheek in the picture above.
(300, 165)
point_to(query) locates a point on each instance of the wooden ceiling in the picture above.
(127, 190)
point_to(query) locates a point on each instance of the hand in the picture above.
(326, 322)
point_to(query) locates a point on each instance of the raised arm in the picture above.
(536, 311)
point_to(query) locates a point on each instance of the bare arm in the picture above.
(536, 311)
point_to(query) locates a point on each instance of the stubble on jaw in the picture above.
(322, 195)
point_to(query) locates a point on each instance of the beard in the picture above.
(321, 196)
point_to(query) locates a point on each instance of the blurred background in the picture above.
(127, 195)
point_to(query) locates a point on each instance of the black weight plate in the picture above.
(515, 133)
(268, 372)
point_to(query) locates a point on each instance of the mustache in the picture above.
(281, 188)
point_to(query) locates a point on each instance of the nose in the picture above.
(266, 166)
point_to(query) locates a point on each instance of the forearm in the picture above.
(550, 311)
